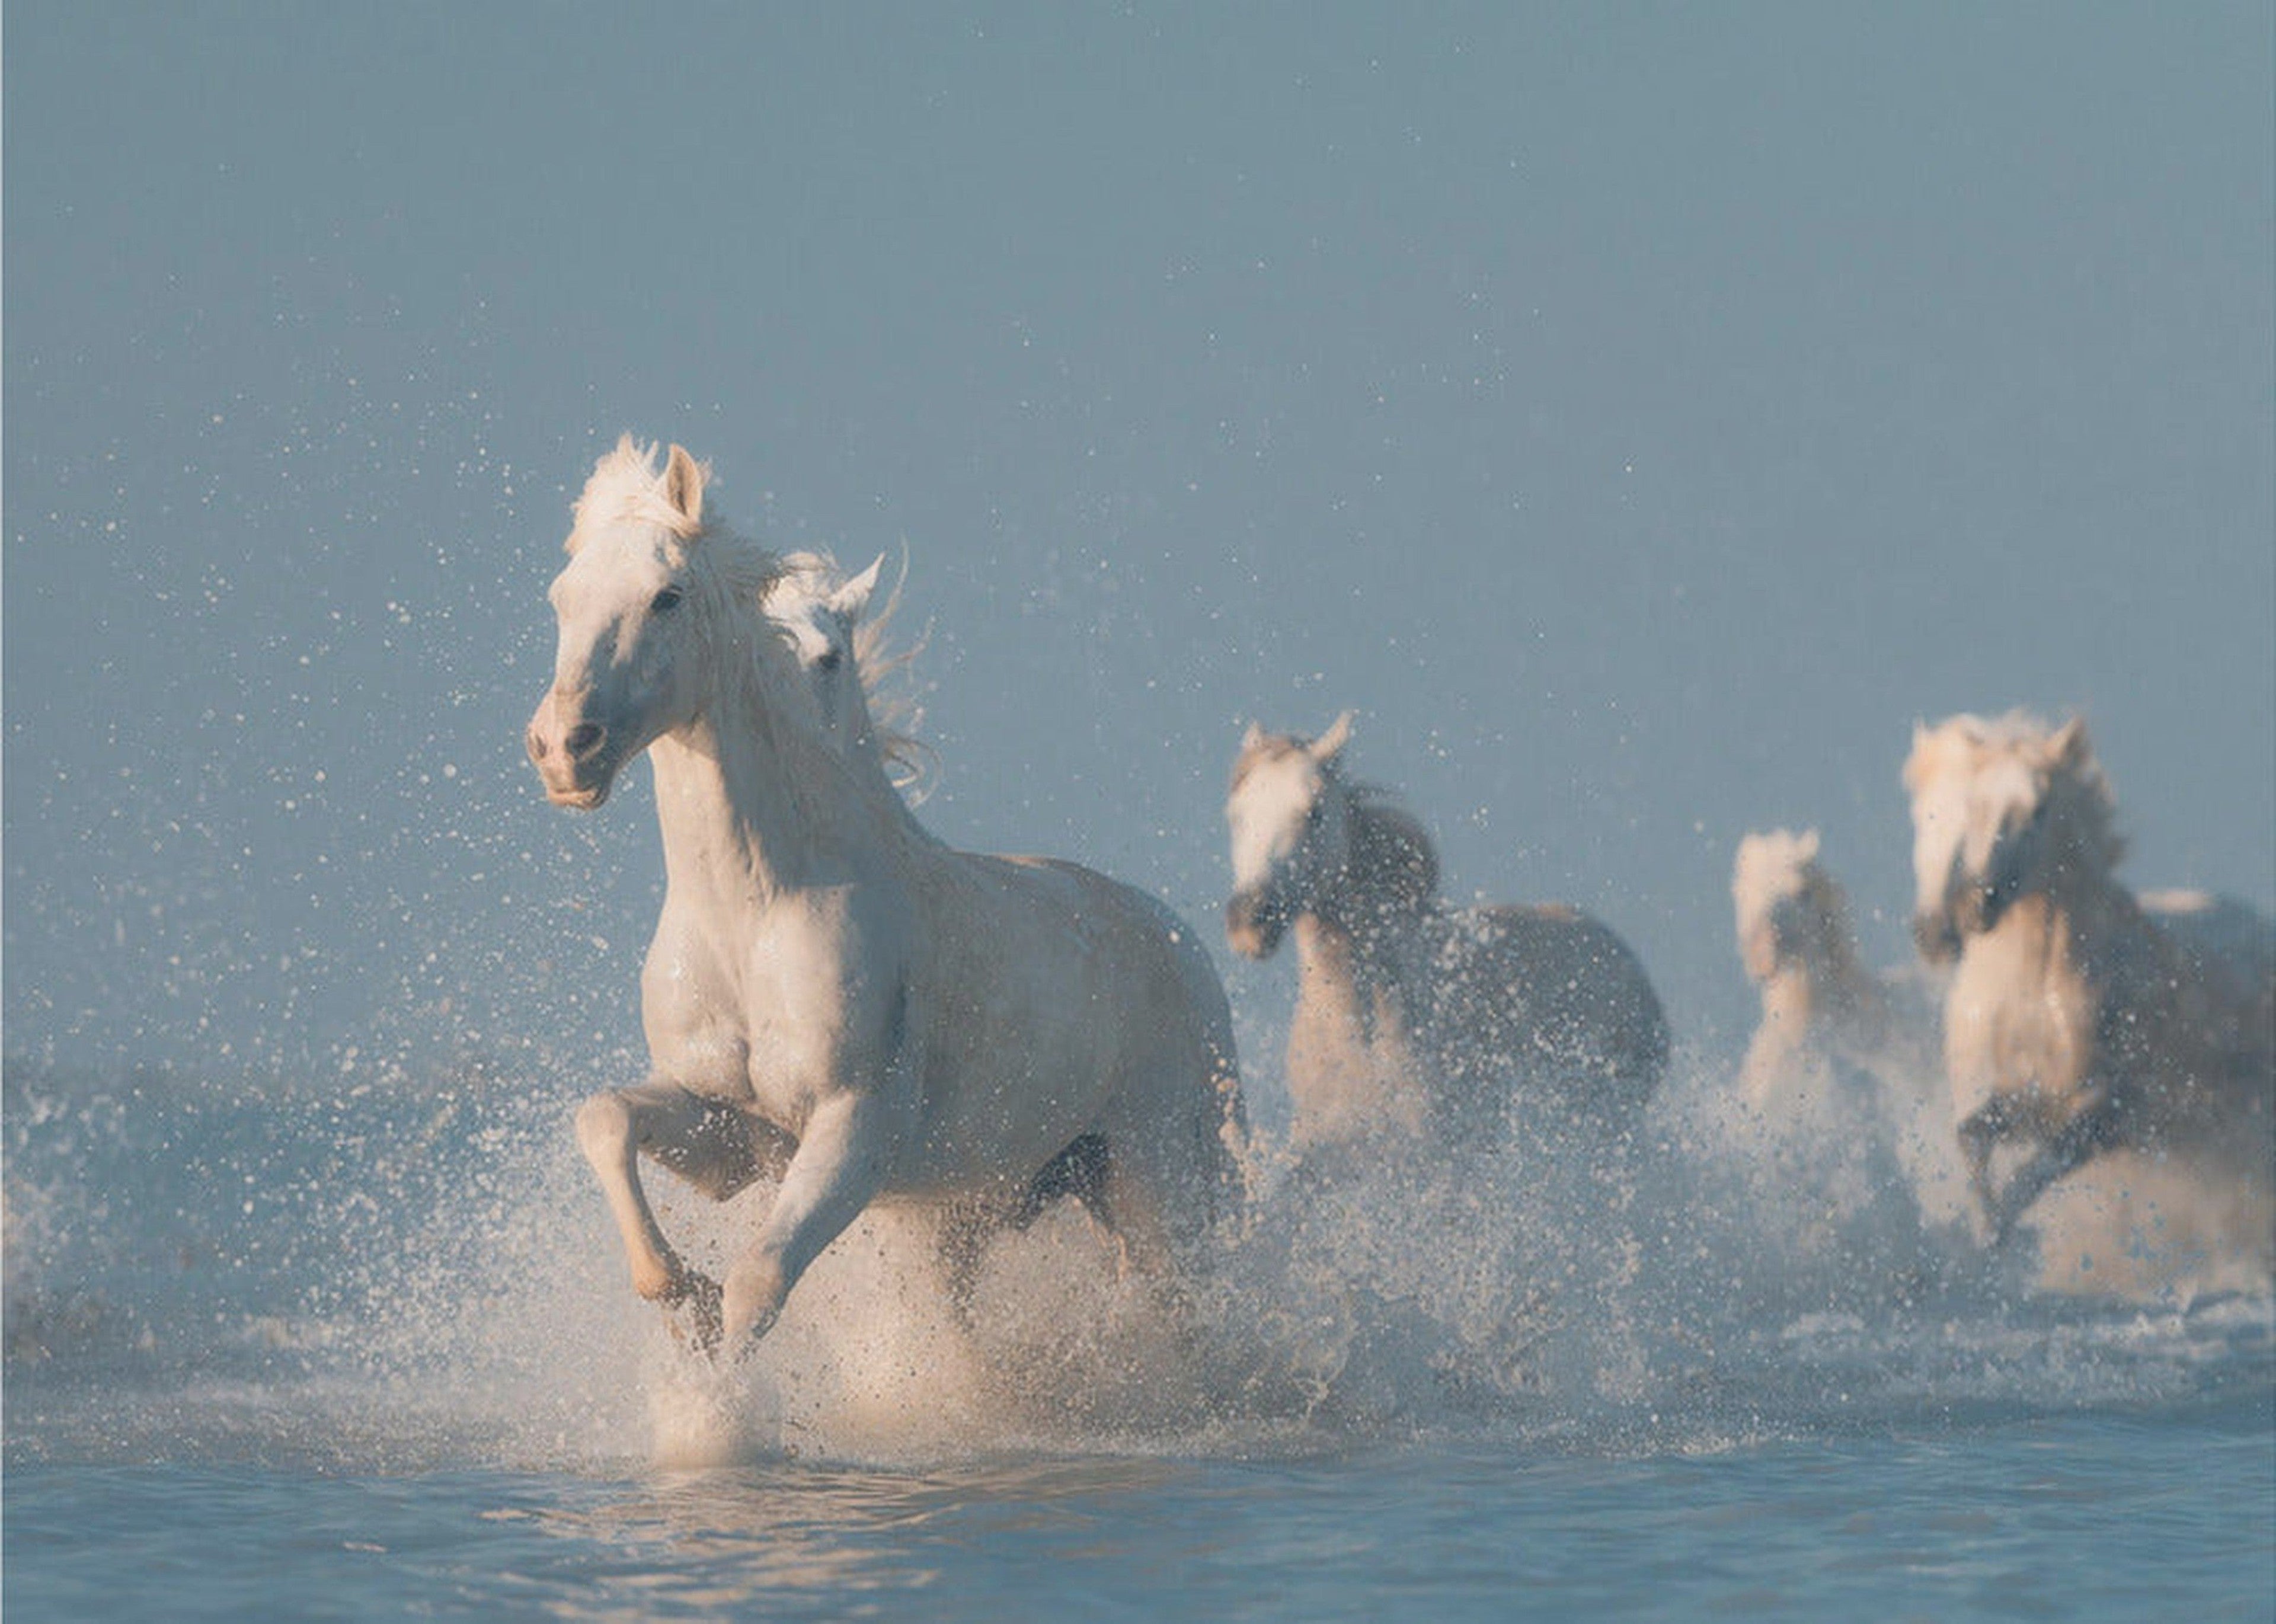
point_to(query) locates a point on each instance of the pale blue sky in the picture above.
(1639, 414)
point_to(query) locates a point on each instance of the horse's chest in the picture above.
(763, 1007)
(2020, 1017)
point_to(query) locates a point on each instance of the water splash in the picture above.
(421, 1274)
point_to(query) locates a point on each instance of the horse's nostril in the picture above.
(584, 738)
(533, 742)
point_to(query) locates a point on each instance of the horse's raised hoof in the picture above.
(692, 1311)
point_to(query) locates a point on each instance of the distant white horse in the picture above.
(2076, 1023)
(833, 999)
(1823, 1012)
(1410, 1014)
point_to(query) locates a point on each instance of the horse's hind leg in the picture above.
(714, 1146)
(1980, 1135)
(1080, 1171)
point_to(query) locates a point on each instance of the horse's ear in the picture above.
(2069, 747)
(1808, 846)
(852, 598)
(683, 486)
(1329, 745)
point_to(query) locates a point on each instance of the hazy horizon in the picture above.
(1639, 417)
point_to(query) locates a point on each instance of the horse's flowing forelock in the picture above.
(626, 484)
(2078, 789)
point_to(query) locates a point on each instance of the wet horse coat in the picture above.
(1411, 1015)
(833, 999)
(2076, 1021)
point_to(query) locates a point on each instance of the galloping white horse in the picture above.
(833, 999)
(1411, 1014)
(2076, 1023)
(1824, 1012)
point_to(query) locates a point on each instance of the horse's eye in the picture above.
(830, 659)
(667, 599)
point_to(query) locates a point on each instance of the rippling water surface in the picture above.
(321, 1354)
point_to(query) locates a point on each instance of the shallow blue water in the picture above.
(319, 1356)
(2079, 1517)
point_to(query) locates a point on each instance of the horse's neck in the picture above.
(1351, 1057)
(1841, 989)
(1791, 999)
(1355, 971)
(752, 805)
(1779, 1050)
(1378, 916)
(2097, 920)
(2115, 942)
(865, 755)
(2028, 977)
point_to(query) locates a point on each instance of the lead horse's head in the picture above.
(644, 587)
(2001, 809)
(1290, 821)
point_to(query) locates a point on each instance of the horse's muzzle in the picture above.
(1936, 937)
(1254, 923)
(573, 763)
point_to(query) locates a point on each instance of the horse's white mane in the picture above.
(1390, 846)
(2074, 778)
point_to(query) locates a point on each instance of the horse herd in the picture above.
(839, 1004)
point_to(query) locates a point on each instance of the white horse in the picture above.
(2076, 1023)
(1824, 1013)
(849, 662)
(1412, 1015)
(834, 999)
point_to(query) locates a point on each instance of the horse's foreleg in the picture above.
(839, 1164)
(2091, 1127)
(968, 1225)
(715, 1148)
(1980, 1135)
